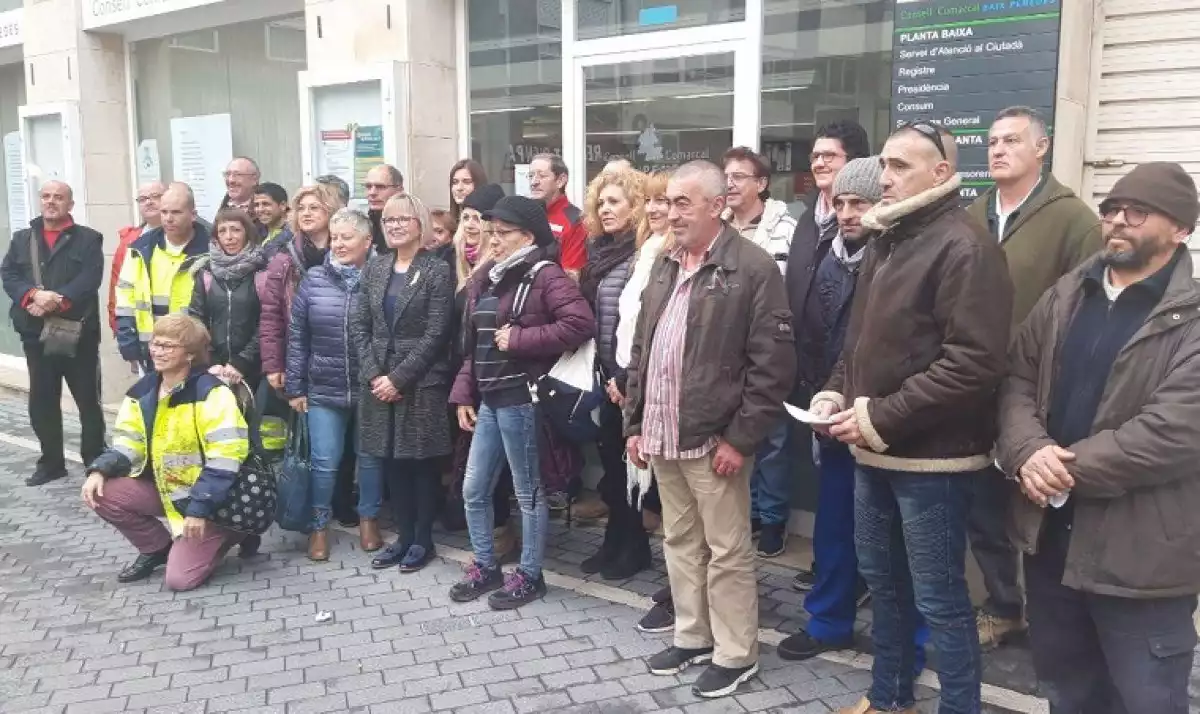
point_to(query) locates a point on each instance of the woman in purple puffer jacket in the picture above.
(503, 354)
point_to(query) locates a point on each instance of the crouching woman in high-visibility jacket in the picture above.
(179, 435)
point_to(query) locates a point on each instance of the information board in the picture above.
(958, 62)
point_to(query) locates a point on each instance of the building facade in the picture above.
(108, 94)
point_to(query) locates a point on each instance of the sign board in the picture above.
(14, 179)
(149, 163)
(201, 148)
(11, 34)
(101, 13)
(958, 62)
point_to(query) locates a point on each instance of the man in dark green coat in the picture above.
(1045, 231)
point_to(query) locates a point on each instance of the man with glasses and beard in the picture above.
(1100, 427)
(914, 396)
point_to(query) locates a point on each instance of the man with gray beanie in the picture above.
(838, 589)
(1100, 427)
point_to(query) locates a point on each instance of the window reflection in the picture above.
(606, 18)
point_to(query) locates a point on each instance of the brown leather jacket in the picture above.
(739, 357)
(1135, 531)
(925, 348)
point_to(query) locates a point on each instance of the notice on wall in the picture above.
(368, 153)
(14, 178)
(958, 62)
(337, 155)
(521, 180)
(149, 163)
(201, 148)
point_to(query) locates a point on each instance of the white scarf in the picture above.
(497, 271)
(843, 256)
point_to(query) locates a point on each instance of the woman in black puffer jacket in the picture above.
(225, 299)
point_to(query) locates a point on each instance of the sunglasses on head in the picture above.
(929, 130)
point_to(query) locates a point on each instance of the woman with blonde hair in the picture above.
(401, 327)
(178, 444)
(615, 214)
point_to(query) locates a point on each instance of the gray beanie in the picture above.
(861, 178)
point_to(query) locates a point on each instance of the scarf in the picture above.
(313, 256)
(498, 270)
(823, 215)
(471, 253)
(607, 253)
(349, 274)
(233, 268)
(843, 255)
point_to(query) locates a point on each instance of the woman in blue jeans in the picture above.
(322, 376)
(508, 344)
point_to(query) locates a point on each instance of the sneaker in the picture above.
(477, 581)
(662, 595)
(864, 707)
(995, 630)
(674, 660)
(519, 589)
(417, 557)
(718, 681)
(772, 540)
(802, 646)
(804, 581)
(660, 618)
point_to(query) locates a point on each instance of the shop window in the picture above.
(821, 65)
(606, 18)
(515, 83)
(239, 74)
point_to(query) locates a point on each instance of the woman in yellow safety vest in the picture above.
(179, 437)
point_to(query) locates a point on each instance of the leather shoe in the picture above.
(390, 556)
(318, 545)
(44, 475)
(249, 546)
(143, 566)
(368, 535)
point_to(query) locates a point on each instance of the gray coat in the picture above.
(414, 353)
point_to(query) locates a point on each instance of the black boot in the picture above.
(633, 558)
(609, 549)
(143, 566)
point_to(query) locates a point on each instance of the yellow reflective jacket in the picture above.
(192, 442)
(142, 296)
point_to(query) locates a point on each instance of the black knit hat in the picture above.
(525, 213)
(484, 197)
(1161, 186)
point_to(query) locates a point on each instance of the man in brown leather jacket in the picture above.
(1100, 425)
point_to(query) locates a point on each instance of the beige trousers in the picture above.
(710, 562)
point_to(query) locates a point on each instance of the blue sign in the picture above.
(661, 15)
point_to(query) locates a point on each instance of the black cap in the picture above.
(484, 197)
(525, 213)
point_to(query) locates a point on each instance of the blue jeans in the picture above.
(910, 530)
(507, 432)
(771, 482)
(327, 439)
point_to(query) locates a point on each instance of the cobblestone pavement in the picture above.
(74, 640)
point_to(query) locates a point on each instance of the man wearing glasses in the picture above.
(1100, 426)
(548, 184)
(382, 182)
(1045, 231)
(914, 396)
(241, 176)
(148, 197)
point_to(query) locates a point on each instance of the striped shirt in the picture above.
(664, 375)
(500, 380)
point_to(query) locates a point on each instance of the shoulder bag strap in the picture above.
(35, 258)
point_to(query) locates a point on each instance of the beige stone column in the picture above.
(419, 36)
(1078, 65)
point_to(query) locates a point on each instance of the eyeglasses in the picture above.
(504, 232)
(540, 176)
(160, 346)
(378, 186)
(148, 198)
(1135, 216)
(239, 174)
(930, 131)
(397, 220)
(827, 157)
(739, 177)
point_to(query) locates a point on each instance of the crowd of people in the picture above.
(1018, 377)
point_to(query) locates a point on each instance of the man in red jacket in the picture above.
(547, 184)
(148, 196)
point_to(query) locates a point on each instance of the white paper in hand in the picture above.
(806, 417)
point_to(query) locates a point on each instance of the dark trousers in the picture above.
(624, 531)
(1096, 654)
(413, 485)
(987, 527)
(344, 500)
(46, 377)
(910, 537)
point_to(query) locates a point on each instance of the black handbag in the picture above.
(249, 506)
(60, 336)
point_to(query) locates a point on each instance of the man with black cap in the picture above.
(1100, 426)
